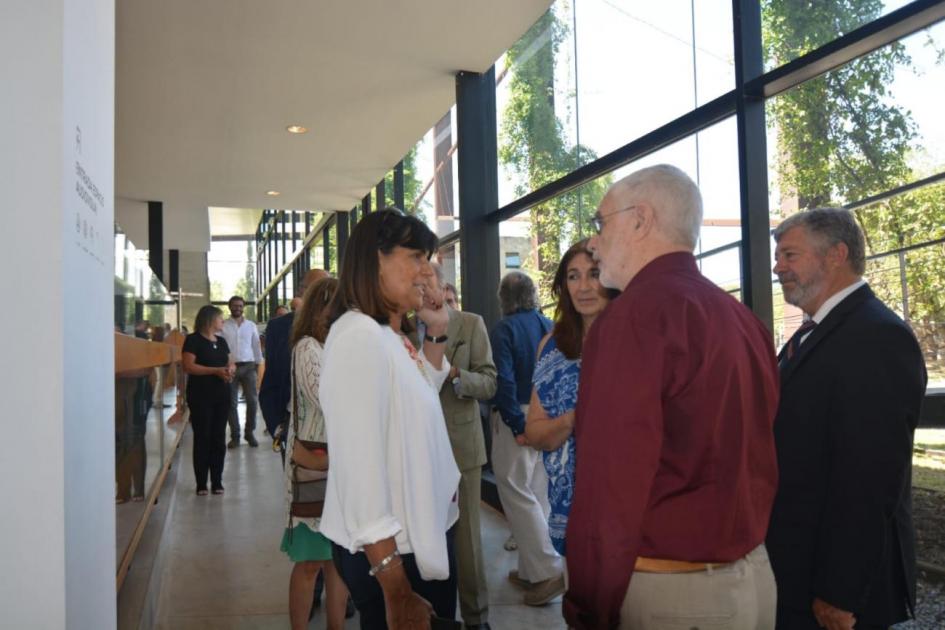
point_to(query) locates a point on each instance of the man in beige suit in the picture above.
(471, 379)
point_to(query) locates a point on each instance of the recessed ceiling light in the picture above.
(273, 193)
(296, 129)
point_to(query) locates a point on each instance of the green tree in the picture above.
(534, 146)
(412, 184)
(842, 138)
(246, 286)
(216, 291)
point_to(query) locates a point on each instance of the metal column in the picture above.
(752, 162)
(399, 185)
(341, 233)
(156, 238)
(478, 192)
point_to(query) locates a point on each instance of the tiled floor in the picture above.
(225, 571)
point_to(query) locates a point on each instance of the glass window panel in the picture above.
(231, 268)
(910, 283)
(791, 28)
(537, 238)
(431, 187)
(449, 259)
(574, 87)
(860, 130)
(871, 128)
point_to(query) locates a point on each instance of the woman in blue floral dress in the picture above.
(550, 422)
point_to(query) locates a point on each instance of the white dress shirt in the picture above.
(392, 471)
(831, 302)
(243, 339)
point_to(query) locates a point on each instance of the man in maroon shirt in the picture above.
(675, 465)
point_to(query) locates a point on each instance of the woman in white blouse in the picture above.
(391, 497)
(307, 459)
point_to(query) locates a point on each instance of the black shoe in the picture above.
(349, 609)
(233, 443)
(251, 440)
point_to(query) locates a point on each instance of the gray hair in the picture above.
(516, 293)
(675, 198)
(830, 226)
(438, 272)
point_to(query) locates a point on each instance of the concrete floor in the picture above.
(224, 570)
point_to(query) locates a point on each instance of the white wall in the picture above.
(57, 533)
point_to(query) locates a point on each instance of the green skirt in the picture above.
(301, 544)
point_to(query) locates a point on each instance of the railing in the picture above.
(148, 428)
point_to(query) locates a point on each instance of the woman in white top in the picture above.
(307, 460)
(391, 497)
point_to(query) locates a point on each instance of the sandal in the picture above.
(217, 490)
(201, 492)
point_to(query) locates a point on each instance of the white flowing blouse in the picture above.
(392, 471)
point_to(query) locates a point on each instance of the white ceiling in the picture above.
(206, 88)
(233, 221)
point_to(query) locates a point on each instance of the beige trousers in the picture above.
(522, 483)
(739, 596)
(473, 591)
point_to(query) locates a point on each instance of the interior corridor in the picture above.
(223, 568)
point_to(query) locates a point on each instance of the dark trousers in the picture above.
(804, 620)
(245, 377)
(208, 419)
(368, 597)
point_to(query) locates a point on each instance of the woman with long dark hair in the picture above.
(307, 460)
(391, 497)
(550, 422)
(206, 359)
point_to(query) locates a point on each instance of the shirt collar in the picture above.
(675, 261)
(835, 299)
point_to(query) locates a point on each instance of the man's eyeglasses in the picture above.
(598, 221)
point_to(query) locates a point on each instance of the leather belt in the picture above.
(657, 565)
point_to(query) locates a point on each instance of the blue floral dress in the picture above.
(556, 383)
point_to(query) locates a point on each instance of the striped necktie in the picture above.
(795, 341)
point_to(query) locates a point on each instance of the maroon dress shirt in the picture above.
(675, 449)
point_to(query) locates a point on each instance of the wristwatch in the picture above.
(440, 339)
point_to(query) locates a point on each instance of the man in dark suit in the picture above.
(277, 379)
(841, 539)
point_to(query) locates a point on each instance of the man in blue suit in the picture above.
(277, 379)
(841, 538)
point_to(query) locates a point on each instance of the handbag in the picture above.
(308, 486)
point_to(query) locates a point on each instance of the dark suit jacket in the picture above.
(841, 527)
(277, 379)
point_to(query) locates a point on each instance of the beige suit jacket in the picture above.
(468, 349)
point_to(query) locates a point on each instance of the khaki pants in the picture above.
(473, 591)
(739, 596)
(522, 483)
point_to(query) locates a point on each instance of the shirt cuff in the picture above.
(515, 424)
(387, 527)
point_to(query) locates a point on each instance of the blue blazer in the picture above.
(276, 386)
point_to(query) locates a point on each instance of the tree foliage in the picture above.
(246, 286)
(843, 138)
(533, 145)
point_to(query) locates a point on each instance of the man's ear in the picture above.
(838, 255)
(644, 219)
